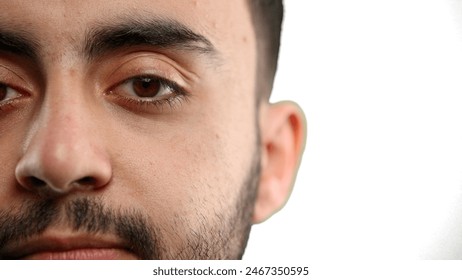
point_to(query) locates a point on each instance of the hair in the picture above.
(267, 19)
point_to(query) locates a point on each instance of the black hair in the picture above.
(267, 19)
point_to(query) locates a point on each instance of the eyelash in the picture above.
(178, 95)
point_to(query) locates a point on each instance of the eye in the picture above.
(7, 93)
(146, 88)
(140, 92)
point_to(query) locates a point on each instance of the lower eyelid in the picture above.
(150, 106)
(12, 104)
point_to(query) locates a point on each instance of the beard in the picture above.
(222, 235)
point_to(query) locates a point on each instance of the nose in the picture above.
(63, 153)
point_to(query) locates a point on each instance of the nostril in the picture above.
(35, 182)
(86, 181)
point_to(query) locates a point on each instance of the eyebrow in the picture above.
(158, 33)
(18, 43)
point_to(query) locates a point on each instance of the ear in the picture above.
(282, 128)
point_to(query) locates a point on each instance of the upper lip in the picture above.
(57, 243)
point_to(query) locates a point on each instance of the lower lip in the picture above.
(84, 254)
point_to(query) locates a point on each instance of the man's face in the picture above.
(128, 129)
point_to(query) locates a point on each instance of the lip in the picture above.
(81, 247)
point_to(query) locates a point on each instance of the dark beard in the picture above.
(224, 235)
(82, 215)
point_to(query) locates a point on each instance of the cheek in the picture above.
(177, 169)
(13, 131)
(7, 169)
(182, 169)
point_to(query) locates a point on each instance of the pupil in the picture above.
(146, 87)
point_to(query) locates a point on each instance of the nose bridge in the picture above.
(63, 150)
(62, 123)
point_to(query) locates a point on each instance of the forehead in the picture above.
(60, 26)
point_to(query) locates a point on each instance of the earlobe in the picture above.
(282, 141)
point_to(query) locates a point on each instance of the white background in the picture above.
(380, 83)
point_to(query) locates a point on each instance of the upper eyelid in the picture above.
(30, 73)
(20, 90)
(158, 59)
(14, 73)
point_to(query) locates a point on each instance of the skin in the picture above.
(197, 169)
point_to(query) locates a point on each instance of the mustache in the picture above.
(83, 215)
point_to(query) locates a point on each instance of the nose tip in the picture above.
(63, 157)
(37, 174)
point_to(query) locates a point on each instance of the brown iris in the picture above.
(146, 87)
(3, 90)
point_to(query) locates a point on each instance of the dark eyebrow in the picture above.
(159, 33)
(18, 43)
